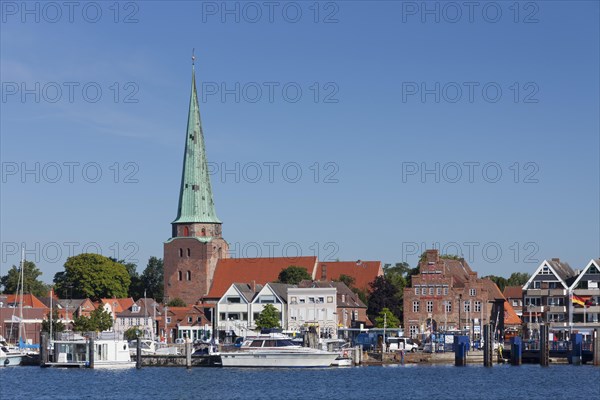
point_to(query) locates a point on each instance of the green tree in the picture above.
(293, 274)
(32, 285)
(384, 294)
(176, 302)
(57, 325)
(385, 315)
(136, 289)
(518, 279)
(500, 281)
(347, 280)
(268, 318)
(153, 279)
(99, 320)
(133, 333)
(93, 276)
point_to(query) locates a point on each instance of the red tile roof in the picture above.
(363, 272)
(257, 270)
(29, 300)
(510, 316)
(121, 304)
(493, 290)
(513, 292)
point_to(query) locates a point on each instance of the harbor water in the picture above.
(391, 382)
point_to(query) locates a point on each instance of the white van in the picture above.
(406, 344)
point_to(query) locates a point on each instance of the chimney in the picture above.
(323, 272)
(556, 259)
(432, 256)
(253, 286)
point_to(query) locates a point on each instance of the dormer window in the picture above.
(135, 308)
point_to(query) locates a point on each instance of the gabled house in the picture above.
(184, 322)
(585, 298)
(546, 299)
(276, 295)
(34, 312)
(144, 314)
(514, 296)
(234, 308)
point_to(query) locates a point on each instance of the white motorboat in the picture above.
(149, 347)
(276, 350)
(9, 358)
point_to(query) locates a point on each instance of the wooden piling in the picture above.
(544, 346)
(487, 346)
(188, 354)
(596, 344)
(92, 352)
(43, 349)
(138, 353)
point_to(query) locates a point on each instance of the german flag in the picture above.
(579, 300)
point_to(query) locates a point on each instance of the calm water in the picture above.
(410, 382)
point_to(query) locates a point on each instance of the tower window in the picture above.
(186, 231)
(189, 252)
(189, 275)
(180, 252)
(203, 232)
(180, 275)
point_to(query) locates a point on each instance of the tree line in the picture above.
(91, 276)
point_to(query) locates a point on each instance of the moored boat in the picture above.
(276, 350)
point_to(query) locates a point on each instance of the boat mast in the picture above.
(22, 287)
(51, 311)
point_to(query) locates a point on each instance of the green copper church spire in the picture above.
(195, 196)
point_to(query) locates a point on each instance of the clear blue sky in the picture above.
(388, 92)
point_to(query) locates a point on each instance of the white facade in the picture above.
(233, 311)
(313, 307)
(267, 295)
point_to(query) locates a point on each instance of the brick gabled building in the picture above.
(448, 295)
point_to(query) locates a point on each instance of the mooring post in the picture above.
(516, 347)
(138, 353)
(92, 352)
(576, 352)
(43, 349)
(544, 348)
(188, 354)
(596, 344)
(460, 350)
(487, 348)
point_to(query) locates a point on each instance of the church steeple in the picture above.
(195, 195)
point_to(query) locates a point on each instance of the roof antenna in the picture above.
(193, 56)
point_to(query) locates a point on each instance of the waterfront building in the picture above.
(585, 298)
(313, 306)
(514, 296)
(144, 314)
(351, 312)
(34, 312)
(184, 322)
(448, 295)
(197, 267)
(565, 300)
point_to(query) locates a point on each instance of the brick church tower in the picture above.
(196, 244)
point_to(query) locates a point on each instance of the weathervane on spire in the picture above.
(193, 56)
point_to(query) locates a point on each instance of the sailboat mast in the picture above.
(22, 286)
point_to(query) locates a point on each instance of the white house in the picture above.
(142, 314)
(234, 308)
(313, 306)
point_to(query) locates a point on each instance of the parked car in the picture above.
(406, 344)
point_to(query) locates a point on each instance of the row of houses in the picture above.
(326, 305)
(447, 295)
(564, 299)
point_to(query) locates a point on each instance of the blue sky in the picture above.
(474, 131)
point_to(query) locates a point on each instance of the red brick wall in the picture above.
(201, 262)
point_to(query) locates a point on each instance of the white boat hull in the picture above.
(275, 359)
(10, 360)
